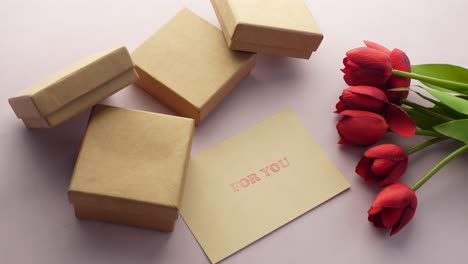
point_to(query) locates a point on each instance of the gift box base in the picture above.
(274, 51)
(179, 104)
(121, 212)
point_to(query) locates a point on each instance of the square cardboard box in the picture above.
(276, 27)
(131, 168)
(74, 89)
(188, 67)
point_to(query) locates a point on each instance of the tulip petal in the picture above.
(366, 77)
(400, 61)
(343, 142)
(376, 219)
(370, 91)
(397, 172)
(404, 220)
(386, 151)
(365, 102)
(361, 127)
(374, 210)
(367, 66)
(391, 216)
(399, 121)
(340, 106)
(350, 66)
(363, 169)
(396, 195)
(381, 167)
(376, 46)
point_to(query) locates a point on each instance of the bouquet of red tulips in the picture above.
(377, 102)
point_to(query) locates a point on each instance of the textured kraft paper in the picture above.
(276, 27)
(131, 168)
(255, 182)
(74, 89)
(187, 66)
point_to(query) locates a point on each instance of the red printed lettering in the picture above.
(244, 183)
(286, 162)
(272, 169)
(253, 178)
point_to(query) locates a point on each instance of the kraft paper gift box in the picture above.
(276, 27)
(131, 168)
(74, 89)
(187, 66)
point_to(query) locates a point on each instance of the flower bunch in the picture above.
(377, 102)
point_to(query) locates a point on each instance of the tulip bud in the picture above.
(361, 127)
(366, 98)
(366, 66)
(385, 163)
(393, 207)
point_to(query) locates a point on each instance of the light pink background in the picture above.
(37, 224)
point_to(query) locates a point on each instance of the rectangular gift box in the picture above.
(276, 27)
(74, 89)
(131, 168)
(188, 67)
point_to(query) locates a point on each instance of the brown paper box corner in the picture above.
(131, 168)
(276, 27)
(187, 66)
(74, 89)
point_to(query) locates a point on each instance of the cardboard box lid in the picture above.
(189, 56)
(273, 23)
(134, 157)
(65, 86)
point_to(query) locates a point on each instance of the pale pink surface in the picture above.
(37, 224)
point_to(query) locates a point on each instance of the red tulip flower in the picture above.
(366, 98)
(361, 127)
(366, 66)
(393, 207)
(399, 61)
(372, 99)
(385, 163)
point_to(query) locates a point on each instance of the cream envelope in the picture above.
(255, 182)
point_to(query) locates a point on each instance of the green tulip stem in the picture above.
(429, 79)
(426, 110)
(424, 145)
(439, 166)
(429, 133)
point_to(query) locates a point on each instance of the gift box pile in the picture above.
(131, 166)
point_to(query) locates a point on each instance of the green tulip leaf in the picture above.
(456, 103)
(442, 108)
(455, 129)
(443, 71)
(423, 121)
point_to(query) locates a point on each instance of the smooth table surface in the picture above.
(37, 224)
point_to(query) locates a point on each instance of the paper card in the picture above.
(255, 182)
